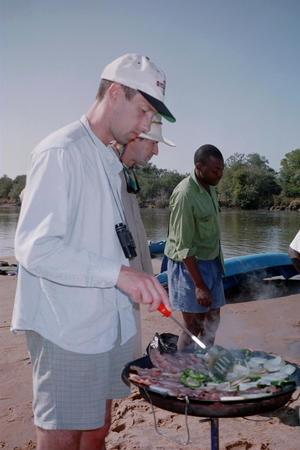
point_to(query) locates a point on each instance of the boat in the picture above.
(240, 269)
(8, 269)
(257, 266)
(157, 248)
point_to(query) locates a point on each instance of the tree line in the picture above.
(10, 189)
(248, 183)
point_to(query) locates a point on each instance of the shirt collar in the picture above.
(200, 187)
(112, 163)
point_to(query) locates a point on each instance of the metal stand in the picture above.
(214, 432)
(214, 425)
(170, 438)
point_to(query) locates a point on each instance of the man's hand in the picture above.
(203, 296)
(142, 288)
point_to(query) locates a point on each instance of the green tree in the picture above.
(248, 182)
(245, 194)
(5, 186)
(237, 160)
(256, 160)
(17, 187)
(156, 185)
(290, 174)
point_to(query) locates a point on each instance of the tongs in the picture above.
(220, 360)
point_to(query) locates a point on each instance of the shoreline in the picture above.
(9, 204)
(272, 208)
(269, 324)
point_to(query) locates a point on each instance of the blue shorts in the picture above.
(182, 289)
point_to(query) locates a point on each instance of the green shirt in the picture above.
(194, 228)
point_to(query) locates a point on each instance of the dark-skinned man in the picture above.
(195, 260)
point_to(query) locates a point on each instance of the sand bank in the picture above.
(272, 325)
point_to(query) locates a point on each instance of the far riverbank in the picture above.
(279, 205)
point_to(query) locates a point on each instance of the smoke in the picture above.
(255, 326)
(256, 289)
(239, 331)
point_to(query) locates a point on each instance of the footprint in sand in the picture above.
(239, 445)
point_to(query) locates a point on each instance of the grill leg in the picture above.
(214, 430)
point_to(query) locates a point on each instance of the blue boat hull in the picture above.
(257, 266)
(248, 268)
(157, 248)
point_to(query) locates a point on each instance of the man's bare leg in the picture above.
(211, 324)
(194, 322)
(203, 325)
(57, 439)
(95, 439)
(73, 439)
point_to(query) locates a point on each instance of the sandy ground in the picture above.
(272, 325)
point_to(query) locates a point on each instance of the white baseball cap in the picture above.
(138, 72)
(155, 133)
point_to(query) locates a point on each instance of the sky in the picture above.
(232, 67)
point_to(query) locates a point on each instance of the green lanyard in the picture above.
(130, 177)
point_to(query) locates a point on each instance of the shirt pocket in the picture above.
(206, 223)
(204, 211)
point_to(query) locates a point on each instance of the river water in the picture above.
(8, 223)
(243, 232)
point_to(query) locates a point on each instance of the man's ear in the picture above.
(115, 91)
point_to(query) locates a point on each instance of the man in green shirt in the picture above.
(195, 260)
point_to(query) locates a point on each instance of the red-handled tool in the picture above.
(220, 359)
(164, 310)
(168, 313)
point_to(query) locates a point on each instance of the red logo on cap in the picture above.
(161, 85)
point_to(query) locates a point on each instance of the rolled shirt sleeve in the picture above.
(182, 227)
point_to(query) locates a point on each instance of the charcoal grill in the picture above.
(213, 410)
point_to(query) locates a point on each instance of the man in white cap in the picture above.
(138, 153)
(75, 287)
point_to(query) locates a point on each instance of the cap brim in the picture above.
(168, 142)
(157, 139)
(159, 106)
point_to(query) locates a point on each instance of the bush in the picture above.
(295, 205)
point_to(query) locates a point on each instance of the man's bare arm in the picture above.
(203, 294)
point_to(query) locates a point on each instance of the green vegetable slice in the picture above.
(193, 378)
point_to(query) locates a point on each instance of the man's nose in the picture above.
(146, 123)
(155, 149)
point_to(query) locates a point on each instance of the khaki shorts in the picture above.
(70, 389)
